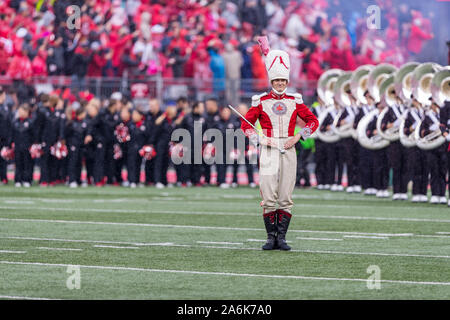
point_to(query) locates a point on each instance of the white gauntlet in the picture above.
(254, 139)
(305, 132)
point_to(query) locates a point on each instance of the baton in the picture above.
(282, 150)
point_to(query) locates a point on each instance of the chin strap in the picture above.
(278, 92)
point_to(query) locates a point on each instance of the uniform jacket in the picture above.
(277, 114)
(76, 131)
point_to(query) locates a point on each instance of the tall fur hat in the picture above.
(277, 62)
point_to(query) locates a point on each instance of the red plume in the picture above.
(264, 45)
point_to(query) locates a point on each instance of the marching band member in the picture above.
(435, 158)
(416, 156)
(397, 154)
(277, 112)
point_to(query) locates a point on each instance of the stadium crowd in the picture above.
(212, 42)
(206, 40)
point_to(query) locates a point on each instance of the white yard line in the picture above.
(168, 244)
(178, 226)
(24, 298)
(324, 239)
(372, 218)
(367, 237)
(432, 236)
(59, 249)
(361, 233)
(180, 212)
(12, 251)
(114, 247)
(213, 242)
(18, 202)
(227, 274)
(91, 241)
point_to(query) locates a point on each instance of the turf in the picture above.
(204, 243)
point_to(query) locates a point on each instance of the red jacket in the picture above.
(416, 39)
(96, 66)
(277, 115)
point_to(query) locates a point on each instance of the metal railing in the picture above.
(167, 89)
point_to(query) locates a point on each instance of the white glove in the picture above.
(305, 132)
(349, 119)
(254, 139)
(434, 127)
(447, 137)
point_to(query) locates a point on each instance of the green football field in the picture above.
(204, 243)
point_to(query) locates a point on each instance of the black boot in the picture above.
(283, 218)
(271, 228)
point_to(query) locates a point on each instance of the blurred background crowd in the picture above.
(212, 42)
(68, 62)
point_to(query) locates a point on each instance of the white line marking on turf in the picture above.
(176, 226)
(228, 274)
(176, 212)
(91, 241)
(361, 233)
(24, 298)
(18, 202)
(253, 240)
(432, 236)
(114, 247)
(12, 251)
(371, 218)
(442, 232)
(324, 239)
(367, 237)
(59, 249)
(213, 242)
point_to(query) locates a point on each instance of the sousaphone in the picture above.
(403, 88)
(440, 86)
(440, 92)
(341, 87)
(325, 90)
(389, 98)
(402, 81)
(358, 82)
(421, 82)
(376, 78)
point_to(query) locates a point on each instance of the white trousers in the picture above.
(277, 174)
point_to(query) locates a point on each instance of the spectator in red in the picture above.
(39, 64)
(417, 36)
(258, 69)
(98, 61)
(118, 42)
(202, 71)
(3, 59)
(314, 67)
(20, 66)
(392, 34)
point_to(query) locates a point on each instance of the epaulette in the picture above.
(298, 98)
(256, 99)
